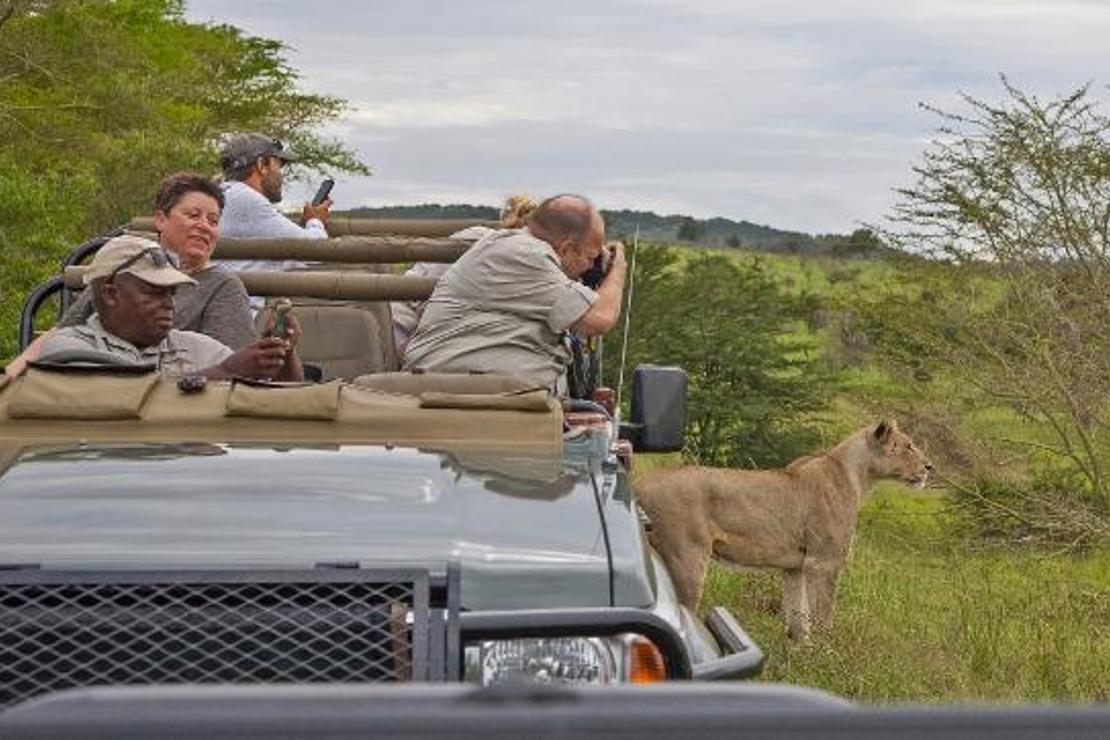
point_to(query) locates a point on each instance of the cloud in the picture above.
(802, 114)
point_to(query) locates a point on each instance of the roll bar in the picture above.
(355, 241)
(338, 286)
(344, 249)
(344, 226)
(34, 301)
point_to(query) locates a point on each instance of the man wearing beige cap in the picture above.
(133, 282)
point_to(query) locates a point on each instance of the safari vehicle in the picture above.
(462, 553)
(377, 527)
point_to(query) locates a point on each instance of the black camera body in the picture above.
(592, 277)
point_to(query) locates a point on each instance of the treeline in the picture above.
(714, 232)
(103, 98)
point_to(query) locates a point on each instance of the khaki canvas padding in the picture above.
(349, 285)
(42, 394)
(339, 285)
(531, 401)
(415, 384)
(320, 402)
(344, 250)
(364, 416)
(342, 225)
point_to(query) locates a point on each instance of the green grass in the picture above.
(926, 611)
(926, 614)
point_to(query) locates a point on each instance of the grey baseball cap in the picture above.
(242, 149)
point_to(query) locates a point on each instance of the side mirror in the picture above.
(658, 409)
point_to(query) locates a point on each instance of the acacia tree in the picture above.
(100, 99)
(1021, 190)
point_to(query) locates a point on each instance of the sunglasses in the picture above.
(160, 257)
(273, 148)
(276, 150)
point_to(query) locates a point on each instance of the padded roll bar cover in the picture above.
(165, 414)
(340, 225)
(455, 383)
(659, 404)
(346, 249)
(338, 286)
(379, 249)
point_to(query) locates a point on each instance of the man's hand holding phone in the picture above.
(320, 206)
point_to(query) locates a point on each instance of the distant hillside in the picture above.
(713, 232)
(426, 210)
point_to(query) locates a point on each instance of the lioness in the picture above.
(800, 518)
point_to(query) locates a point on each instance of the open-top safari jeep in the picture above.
(382, 553)
(376, 527)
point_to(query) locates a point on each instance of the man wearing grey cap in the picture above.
(133, 282)
(252, 166)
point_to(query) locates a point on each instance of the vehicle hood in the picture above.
(526, 533)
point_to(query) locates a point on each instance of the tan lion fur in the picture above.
(800, 518)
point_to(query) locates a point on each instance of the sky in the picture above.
(797, 114)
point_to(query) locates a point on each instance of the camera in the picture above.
(592, 277)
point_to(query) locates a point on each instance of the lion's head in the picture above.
(897, 456)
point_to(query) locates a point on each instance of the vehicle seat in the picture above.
(344, 339)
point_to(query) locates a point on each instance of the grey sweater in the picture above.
(216, 306)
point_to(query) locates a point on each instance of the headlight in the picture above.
(580, 661)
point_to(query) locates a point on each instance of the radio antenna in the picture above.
(627, 318)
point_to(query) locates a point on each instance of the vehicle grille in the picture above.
(341, 626)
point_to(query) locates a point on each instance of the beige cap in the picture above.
(141, 257)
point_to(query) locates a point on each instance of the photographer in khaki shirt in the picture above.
(505, 306)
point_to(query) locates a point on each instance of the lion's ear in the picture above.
(884, 430)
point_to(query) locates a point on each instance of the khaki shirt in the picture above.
(406, 314)
(503, 307)
(180, 353)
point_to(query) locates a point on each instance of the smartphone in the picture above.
(281, 309)
(323, 191)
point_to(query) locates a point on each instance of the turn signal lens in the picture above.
(646, 664)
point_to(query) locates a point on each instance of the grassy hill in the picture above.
(933, 606)
(713, 232)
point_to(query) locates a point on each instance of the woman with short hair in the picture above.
(187, 210)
